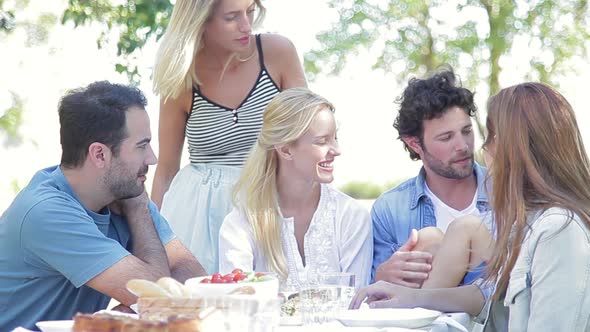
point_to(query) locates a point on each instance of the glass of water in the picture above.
(319, 304)
(344, 282)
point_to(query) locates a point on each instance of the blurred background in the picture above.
(357, 53)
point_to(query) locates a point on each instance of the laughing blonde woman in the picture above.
(288, 219)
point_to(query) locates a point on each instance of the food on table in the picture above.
(113, 323)
(290, 307)
(98, 322)
(264, 285)
(183, 324)
(146, 288)
(154, 308)
(164, 287)
(169, 298)
(175, 288)
(236, 276)
(244, 290)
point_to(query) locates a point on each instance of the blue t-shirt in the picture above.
(51, 245)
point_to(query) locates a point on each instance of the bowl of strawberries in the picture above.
(238, 282)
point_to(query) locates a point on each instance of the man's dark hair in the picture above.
(95, 113)
(426, 99)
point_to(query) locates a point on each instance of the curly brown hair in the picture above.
(429, 98)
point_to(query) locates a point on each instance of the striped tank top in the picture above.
(224, 136)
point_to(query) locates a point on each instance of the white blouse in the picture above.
(339, 239)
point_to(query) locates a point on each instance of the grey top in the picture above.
(549, 286)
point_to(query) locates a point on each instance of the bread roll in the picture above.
(175, 288)
(146, 288)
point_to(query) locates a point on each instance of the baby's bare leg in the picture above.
(429, 240)
(466, 244)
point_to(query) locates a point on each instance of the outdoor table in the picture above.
(449, 322)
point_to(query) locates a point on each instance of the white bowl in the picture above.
(263, 289)
(56, 325)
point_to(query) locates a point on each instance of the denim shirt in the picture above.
(549, 285)
(396, 212)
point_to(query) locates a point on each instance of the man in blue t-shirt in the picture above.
(72, 238)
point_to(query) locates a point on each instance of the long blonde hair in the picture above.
(174, 70)
(287, 117)
(539, 162)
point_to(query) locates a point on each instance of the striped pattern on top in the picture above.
(223, 136)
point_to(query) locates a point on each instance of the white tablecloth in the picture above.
(451, 322)
(455, 322)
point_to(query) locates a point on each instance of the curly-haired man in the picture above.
(434, 124)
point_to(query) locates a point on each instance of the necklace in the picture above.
(248, 58)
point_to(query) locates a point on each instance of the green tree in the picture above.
(37, 30)
(367, 190)
(11, 119)
(134, 21)
(36, 33)
(6, 18)
(409, 36)
(416, 36)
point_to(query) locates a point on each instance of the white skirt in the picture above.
(195, 205)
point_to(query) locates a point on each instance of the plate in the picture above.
(56, 325)
(407, 318)
(263, 289)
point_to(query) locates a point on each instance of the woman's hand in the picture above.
(385, 295)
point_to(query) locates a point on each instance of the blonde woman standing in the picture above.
(214, 78)
(288, 219)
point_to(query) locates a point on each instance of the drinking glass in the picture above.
(290, 304)
(318, 304)
(243, 313)
(344, 282)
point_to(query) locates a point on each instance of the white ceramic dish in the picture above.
(406, 318)
(267, 288)
(55, 325)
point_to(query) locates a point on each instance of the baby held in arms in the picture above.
(459, 255)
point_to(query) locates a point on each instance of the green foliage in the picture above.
(412, 36)
(37, 33)
(6, 20)
(8, 15)
(367, 190)
(16, 188)
(11, 119)
(416, 36)
(415, 32)
(135, 22)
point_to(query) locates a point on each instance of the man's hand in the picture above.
(148, 259)
(123, 308)
(406, 267)
(131, 206)
(385, 295)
